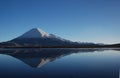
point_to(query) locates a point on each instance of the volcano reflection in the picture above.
(38, 57)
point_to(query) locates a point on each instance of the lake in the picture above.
(59, 63)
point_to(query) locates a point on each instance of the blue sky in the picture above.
(78, 20)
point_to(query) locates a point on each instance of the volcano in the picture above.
(36, 37)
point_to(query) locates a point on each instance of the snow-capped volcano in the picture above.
(37, 37)
(35, 33)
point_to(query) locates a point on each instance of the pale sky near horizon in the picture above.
(77, 20)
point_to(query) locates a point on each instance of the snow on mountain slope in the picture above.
(38, 33)
(35, 33)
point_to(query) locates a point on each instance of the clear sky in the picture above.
(78, 20)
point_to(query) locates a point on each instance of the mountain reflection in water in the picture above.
(43, 62)
(39, 57)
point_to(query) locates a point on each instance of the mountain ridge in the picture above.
(38, 38)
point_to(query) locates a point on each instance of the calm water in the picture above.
(59, 63)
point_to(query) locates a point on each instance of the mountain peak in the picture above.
(35, 33)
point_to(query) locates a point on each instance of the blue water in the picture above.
(59, 63)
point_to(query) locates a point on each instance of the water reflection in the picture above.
(59, 63)
(39, 57)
